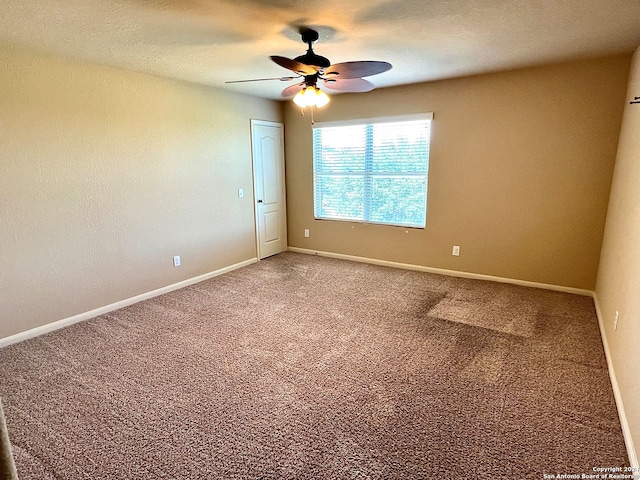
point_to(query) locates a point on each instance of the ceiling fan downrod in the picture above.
(310, 36)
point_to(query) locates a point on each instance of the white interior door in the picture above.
(269, 189)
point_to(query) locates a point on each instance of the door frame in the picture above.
(267, 123)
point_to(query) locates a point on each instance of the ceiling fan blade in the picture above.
(299, 68)
(356, 69)
(349, 84)
(282, 79)
(291, 90)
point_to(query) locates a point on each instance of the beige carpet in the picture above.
(301, 367)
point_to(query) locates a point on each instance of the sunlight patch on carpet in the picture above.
(501, 312)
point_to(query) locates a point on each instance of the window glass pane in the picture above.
(340, 149)
(400, 147)
(339, 197)
(398, 200)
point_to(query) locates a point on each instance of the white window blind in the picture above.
(372, 170)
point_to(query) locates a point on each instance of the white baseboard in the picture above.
(442, 271)
(624, 423)
(49, 327)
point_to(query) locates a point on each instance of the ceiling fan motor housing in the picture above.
(311, 58)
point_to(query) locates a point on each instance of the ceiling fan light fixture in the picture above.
(311, 96)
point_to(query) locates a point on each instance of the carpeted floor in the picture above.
(301, 367)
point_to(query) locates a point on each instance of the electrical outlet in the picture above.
(615, 321)
(306, 232)
(456, 251)
(241, 193)
(176, 261)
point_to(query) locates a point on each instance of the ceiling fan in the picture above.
(313, 68)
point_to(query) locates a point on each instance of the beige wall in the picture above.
(618, 286)
(105, 175)
(521, 165)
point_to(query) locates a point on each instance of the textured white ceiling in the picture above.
(212, 41)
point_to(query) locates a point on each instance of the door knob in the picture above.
(260, 201)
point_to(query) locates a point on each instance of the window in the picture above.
(372, 170)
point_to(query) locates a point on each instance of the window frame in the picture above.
(368, 123)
